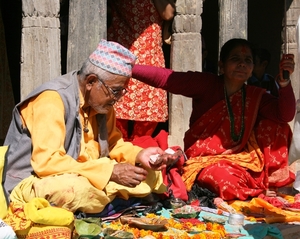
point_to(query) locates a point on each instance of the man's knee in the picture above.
(72, 192)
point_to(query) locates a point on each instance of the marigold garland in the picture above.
(176, 229)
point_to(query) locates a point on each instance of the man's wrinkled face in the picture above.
(104, 93)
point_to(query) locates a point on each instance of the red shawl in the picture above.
(262, 154)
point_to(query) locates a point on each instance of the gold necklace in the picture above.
(234, 136)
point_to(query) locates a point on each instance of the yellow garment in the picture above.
(74, 192)
(49, 156)
(38, 219)
(81, 184)
(40, 211)
(3, 206)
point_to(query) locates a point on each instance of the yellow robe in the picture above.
(81, 183)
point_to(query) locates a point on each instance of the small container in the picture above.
(177, 203)
(236, 219)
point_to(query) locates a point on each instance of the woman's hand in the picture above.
(287, 63)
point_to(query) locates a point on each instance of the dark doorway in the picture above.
(12, 20)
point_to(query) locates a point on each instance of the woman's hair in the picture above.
(231, 44)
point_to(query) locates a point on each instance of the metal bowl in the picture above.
(177, 203)
(236, 219)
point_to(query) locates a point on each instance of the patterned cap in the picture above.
(113, 57)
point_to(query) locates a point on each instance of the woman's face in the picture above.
(239, 64)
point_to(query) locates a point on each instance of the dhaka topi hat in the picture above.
(113, 57)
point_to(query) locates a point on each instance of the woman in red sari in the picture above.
(237, 144)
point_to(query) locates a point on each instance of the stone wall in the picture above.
(185, 56)
(40, 47)
(87, 25)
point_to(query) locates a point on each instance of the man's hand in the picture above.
(144, 157)
(163, 159)
(128, 175)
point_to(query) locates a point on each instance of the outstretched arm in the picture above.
(190, 84)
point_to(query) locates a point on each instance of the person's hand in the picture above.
(128, 175)
(287, 63)
(162, 159)
(271, 192)
(144, 158)
(169, 158)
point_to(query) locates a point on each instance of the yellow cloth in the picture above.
(40, 211)
(3, 206)
(264, 211)
(74, 192)
(49, 156)
(38, 219)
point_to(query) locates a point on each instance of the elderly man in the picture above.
(64, 145)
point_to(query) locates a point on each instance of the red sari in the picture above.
(237, 170)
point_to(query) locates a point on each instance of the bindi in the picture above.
(244, 49)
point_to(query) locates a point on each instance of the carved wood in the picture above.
(87, 25)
